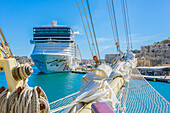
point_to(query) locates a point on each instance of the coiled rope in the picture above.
(24, 100)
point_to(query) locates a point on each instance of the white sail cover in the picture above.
(96, 84)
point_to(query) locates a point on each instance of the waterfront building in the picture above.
(158, 54)
(109, 57)
(143, 62)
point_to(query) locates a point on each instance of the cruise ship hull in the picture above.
(50, 63)
(55, 49)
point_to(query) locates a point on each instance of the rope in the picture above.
(110, 16)
(85, 28)
(64, 97)
(148, 96)
(80, 55)
(139, 100)
(125, 96)
(7, 48)
(128, 23)
(93, 28)
(89, 28)
(61, 108)
(140, 97)
(153, 88)
(125, 23)
(115, 23)
(29, 100)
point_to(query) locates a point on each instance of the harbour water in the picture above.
(58, 85)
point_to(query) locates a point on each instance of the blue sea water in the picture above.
(58, 85)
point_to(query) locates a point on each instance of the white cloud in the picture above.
(103, 39)
(136, 39)
(133, 35)
(105, 47)
(77, 32)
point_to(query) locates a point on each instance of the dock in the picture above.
(79, 71)
(157, 78)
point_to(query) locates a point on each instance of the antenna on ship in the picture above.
(54, 23)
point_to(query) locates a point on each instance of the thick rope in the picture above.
(28, 101)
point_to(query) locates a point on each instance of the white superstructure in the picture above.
(55, 49)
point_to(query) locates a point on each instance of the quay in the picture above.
(157, 78)
(82, 70)
(79, 71)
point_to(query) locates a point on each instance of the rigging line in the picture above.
(80, 55)
(125, 23)
(124, 20)
(110, 16)
(89, 28)
(6, 43)
(85, 28)
(115, 23)
(130, 37)
(93, 29)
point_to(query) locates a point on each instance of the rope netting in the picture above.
(62, 103)
(142, 97)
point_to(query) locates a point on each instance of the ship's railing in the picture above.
(46, 41)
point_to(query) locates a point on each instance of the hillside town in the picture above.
(151, 55)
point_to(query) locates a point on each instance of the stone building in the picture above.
(109, 57)
(156, 53)
(143, 62)
(150, 55)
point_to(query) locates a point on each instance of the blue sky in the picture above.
(149, 20)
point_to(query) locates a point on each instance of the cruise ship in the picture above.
(55, 49)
